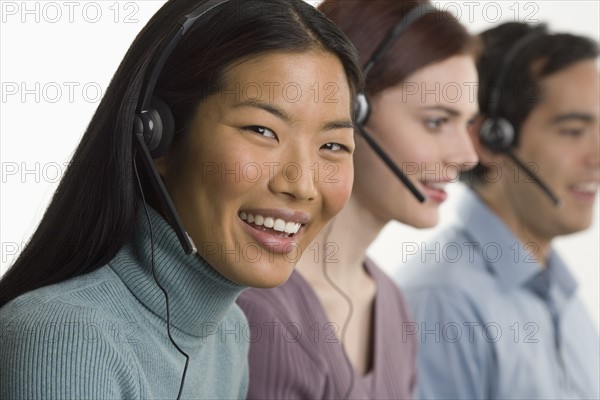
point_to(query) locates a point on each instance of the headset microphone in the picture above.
(363, 107)
(553, 197)
(497, 133)
(391, 165)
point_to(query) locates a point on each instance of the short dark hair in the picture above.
(543, 55)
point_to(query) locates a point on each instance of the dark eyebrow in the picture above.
(280, 113)
(448, 110)
(583, 117)
(339, 124)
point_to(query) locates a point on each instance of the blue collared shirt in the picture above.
(490, 322)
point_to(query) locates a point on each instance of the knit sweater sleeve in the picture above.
(61, 351)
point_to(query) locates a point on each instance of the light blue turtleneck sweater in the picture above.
(104, 335)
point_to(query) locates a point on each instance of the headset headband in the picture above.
(413, 15)
(509, 59)
(185, 24)
(154, 126)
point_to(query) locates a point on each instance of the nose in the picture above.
(461, 151)
(295, 178)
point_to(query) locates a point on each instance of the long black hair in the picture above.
(93, 211)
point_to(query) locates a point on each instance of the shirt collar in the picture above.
(562, 283)
(504, 255)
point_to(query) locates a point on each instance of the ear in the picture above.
(486, 156)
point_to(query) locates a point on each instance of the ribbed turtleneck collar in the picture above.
(198, 295)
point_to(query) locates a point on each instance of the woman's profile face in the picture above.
(422, 123)
(266, 164)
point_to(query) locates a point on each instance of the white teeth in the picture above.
(591, 187)
(291, 227)
(277, 224)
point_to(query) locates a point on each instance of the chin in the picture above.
(266, 276)
(576, 227)
(419, 221)
(425, 225)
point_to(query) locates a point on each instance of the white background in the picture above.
(57, 58)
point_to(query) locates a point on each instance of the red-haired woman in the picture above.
(339, 327)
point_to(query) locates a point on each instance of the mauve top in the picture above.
(295, 352)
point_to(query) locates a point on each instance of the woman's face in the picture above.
(422, 124)
(266, 164)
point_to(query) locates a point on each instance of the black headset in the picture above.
(153, 116)
(497, 133)
(362, 108)
(154, 125)
(153, 131)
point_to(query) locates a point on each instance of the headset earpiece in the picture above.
(497, 134)
(362, 109)
(158, 127)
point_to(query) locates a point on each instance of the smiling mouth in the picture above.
(275, 226)
(586, 187)
(435, 191)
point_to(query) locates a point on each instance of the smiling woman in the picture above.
(339, 324)
(236, 111)
(241, 218)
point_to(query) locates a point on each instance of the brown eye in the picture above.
(335, 147)
(266, 132)
(435, 124)
(574, 132)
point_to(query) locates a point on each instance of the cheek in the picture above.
(550, 161)
(424, 149)
(228, 173)
(413, 146)
(336, 189)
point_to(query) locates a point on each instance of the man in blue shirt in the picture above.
(495, 308)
